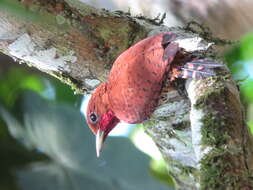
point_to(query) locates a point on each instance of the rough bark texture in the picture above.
(67, 39)
(203, 138)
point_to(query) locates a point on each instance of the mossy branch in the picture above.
(67, 39)
(203, 139)
(221, 140)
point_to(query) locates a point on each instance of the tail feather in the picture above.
(204, 62)
(196, 74)
(199, 69)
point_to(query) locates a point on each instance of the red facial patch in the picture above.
(108, 121)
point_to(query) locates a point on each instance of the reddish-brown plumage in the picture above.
(135, 82)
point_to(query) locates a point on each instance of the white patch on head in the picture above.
(45, 59)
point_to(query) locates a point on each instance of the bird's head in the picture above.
(100, 118)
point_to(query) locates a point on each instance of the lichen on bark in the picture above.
(223, 163)
(203, 138)
(218, 139)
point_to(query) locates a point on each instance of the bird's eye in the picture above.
(93, 117)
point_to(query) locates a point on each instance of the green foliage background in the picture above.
(240, 62)
(46, 144)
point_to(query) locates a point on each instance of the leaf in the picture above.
(250, 124)
(61, 133)
(246, 91)
(16, 80)
(246, 47)
(64, 93)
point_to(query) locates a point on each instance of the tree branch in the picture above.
(75, 43)
(203, 139)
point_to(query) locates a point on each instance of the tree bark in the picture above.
(203, 138)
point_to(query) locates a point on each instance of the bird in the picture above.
(136, 81)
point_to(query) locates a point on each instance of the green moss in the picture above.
(216, 121)
(105, 33)
(184, 170)
(181, 125)
(222, 167)
(60, 19)
(75, 84)
(218, 171)
(114, 34)
(216, 91)
(213, 132)
(150, 124)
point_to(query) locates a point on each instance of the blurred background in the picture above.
(44, 140)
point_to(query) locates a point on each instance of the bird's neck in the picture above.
(104, 95)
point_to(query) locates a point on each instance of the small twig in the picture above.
(156, 21)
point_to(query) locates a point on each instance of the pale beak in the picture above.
(99, 141)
